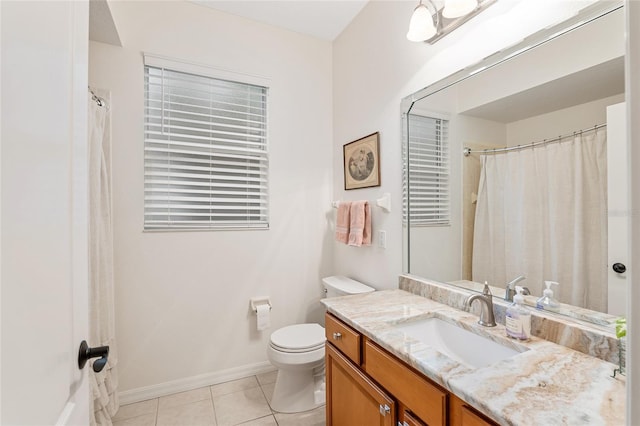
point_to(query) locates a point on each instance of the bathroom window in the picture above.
(205, 148)
(426, 174)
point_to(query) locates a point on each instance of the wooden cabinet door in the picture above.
(352, 398)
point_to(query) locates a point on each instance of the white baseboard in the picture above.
(193, 382)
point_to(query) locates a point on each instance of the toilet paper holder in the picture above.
(255, 301)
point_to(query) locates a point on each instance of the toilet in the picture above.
(297, 351)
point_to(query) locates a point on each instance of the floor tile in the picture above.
(235, 408)
(234, 386)
(314, 417)
(198, 413)
(137, 409)
(143, 420)
(262, 421)
(268, 391)
(266, 378)
(185, 397)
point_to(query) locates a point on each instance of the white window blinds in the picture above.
(426, 171)
(205, 152)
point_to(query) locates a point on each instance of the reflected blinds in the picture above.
(426, 171)
(205, 152)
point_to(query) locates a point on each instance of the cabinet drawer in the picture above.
(343, 337)
(424, 399)
(471, 418)
(407, 419)
(461, 414)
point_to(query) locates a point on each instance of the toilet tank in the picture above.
(342, 286)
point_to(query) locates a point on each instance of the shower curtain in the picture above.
(542, 212)
(104, 397)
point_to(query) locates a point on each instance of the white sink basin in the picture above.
(457, 343)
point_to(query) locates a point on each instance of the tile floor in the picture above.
(239, 402)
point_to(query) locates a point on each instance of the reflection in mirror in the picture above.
(542, 183)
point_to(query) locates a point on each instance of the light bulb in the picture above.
(421, 26)
(458, 8)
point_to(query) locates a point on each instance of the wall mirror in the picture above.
(542, 190)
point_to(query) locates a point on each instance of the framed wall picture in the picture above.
(362, 162)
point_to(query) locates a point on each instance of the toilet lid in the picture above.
(299, 337)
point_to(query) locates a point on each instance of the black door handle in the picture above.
(86, 353)
(619, 268)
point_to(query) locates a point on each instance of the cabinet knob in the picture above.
(384, 409)
(337, 336)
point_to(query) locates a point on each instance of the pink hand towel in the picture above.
(342, 222)
(360, 224)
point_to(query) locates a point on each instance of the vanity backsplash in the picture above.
(589, 339)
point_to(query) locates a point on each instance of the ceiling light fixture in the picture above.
(430, 24)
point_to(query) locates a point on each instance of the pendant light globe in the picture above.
(457, 8)
(421, 26)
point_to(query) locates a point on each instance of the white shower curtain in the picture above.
(542, 212)
(101, 305)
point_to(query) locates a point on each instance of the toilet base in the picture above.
(297, 391)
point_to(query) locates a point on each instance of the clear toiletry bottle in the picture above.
(547, 302)
(518, 318)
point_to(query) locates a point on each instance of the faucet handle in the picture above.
(486, 290)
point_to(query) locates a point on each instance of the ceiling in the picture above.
(324, 19)
(101, 25)
(558, 94)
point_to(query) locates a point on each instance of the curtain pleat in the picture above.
(542, 212)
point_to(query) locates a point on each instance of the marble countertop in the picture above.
(545, 384)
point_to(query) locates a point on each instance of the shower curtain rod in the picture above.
(97, 99)
(468, 151)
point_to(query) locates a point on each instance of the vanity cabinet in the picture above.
(366, 385)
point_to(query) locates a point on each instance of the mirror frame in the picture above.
(583, 17)
(586, 15)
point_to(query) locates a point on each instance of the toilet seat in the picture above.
(298, 338)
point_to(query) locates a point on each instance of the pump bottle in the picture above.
(518, 318)
(547, 302)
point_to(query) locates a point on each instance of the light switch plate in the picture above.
(382, 239)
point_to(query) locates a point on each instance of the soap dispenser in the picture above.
(518, 318)
(547, 302)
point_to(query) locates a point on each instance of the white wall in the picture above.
(561, 122)
(182, 298)
(374, 67)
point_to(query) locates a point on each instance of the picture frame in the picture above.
(362, 162)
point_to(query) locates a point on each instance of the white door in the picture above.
(618, 205)
(43, 228)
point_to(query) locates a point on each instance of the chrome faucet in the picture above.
(487, 318)
(510, 291)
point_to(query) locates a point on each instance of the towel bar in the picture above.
(384, 202)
